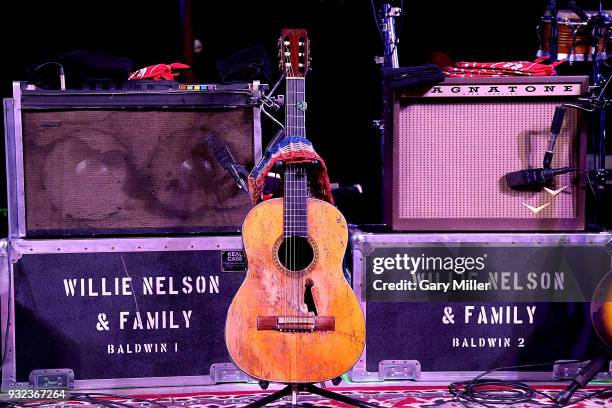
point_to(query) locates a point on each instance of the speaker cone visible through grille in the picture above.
(186, 178)
(116, 172)
(85, 175)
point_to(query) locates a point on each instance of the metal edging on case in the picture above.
(11, 180)
(444, 376)
(114, 383)
(7, 327)
(360, 240)
(359, 373)
(21, 247)
(601, 239)
(125, 383)
(257, 134)
(257, 123)
(17, 224)
(10, 253)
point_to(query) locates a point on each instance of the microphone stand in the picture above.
(599, 82)
(598, 104)
(584, 376)
(391, 40)
(554, 30)
(555, 129)
(600, 175)
(386, 27)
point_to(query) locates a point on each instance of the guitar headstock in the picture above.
(294, 52)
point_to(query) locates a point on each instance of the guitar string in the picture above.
(301, 205)
(296, 239)
(301, 191)
(298, 217)
(294, 200)
(295, 217)
(285, 209)
(291, 209)
(295, 193)
(286, 219)
(296, 222)
(290, 193)
(291, 221)
(299, 202)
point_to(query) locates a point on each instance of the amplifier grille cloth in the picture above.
(101, 170)
(453, 157)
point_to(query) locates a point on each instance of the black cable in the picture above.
(35, 403)
(376, 22)
(399, 29)
(108, 404)
(506, 392)
(592, 395)
(401, 22)
(592, 137)
(151, 401)
(589, 181)
(480, 391)
(503, 392)
(87, 398)
(62, 77)
(592, 134)
(94, 398)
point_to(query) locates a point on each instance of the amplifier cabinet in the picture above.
(127, 162)
(448, 148)
(121, 312)
(532, 314)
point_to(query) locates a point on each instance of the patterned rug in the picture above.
(384, 396)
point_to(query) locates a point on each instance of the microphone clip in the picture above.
(240, 175)
(225, 158)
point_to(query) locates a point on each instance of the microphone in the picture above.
(586, 374)
(534, 179)
(225, 159)
(555, 129)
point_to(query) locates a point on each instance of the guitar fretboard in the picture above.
(295, 209)
(295, 107)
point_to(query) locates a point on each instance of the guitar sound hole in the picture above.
(295, 253)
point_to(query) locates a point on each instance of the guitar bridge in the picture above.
(296, 323)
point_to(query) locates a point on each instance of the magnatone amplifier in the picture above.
(448, 148)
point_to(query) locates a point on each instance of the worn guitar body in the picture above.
(270, 291)
(601, 309)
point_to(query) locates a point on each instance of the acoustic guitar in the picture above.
(295, 319)
(601, 309)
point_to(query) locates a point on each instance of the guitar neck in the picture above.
(295, 107)
(295, 208)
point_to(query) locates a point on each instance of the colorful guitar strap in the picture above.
(290, 150)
